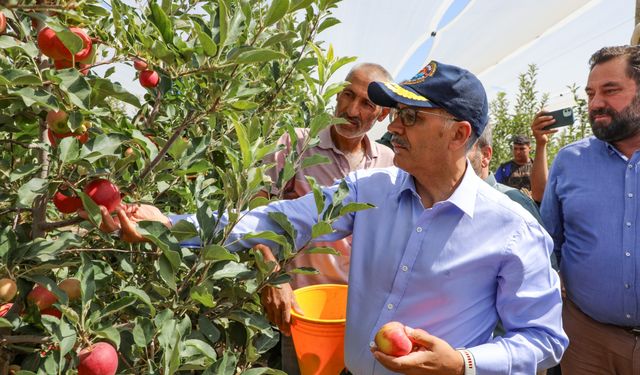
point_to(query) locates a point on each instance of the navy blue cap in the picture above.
(438, 85)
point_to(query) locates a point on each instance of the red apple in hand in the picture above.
(391, 339)
(66, 201)
(104, 193)
(98, 359)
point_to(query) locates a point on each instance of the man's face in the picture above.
(521, 153)
(353, 105)
(480, 157)
(421, 145)
(614, 105)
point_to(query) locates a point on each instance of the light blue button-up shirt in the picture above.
(591, 210)
(452, 270)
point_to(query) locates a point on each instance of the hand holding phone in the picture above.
(563, 117)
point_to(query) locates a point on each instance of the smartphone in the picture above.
(563, 117)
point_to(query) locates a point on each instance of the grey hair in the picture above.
(376, 68)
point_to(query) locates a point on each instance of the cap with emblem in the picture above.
(438, 85)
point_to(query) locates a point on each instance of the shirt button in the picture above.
(390, 306)
(630, 166)
(627, 286)
(419, 229)
(630, 195)
(628, 316)
(405, 268)
(627, 254)
(628, 223)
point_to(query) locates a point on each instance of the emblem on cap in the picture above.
(428, 71)
(399, 90)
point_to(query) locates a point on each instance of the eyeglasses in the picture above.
(408, 116)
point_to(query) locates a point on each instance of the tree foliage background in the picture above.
(511, 120)
(235, 74)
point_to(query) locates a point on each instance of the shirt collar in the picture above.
(327, 143)
(464, 197)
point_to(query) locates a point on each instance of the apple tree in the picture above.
(223, 80)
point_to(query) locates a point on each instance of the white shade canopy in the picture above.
(495, 39)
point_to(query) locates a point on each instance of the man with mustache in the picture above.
(347, 148)
(590, 208)
(441, 252)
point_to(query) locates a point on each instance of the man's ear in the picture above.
(384, 113)
(461, 134)
(487, 153)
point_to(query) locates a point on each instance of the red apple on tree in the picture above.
(3, 23)
(41, 297)
(149, 78)
(57, 121)
(52, 311)
(66, 201)
(51, 46)
(71, 286)
(98, 359)
(8, 289)
(4, 309)
(391, 339)
(140, 64)
(103, 193)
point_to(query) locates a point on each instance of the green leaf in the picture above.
(104, 88)
(15, 77)
(142, 296)
(162, 21)
(276, 11)
(208, 329)
(76, 87)
(327, 23)
(223, 19)
(100, 147)
(184, 230)
(269, 236)
(315, 159)
(217, 252)
(318, 123)
(111, 334)
(305, 271)
(318, 196)
(8, 42)
(299, 4)
(22, 171)
(229, 270)
(70, 40)
(31, 96)
(28, 192)
(320, 229)
(201, 294)
(209, 47)
(354, 207)
(322, 250)
(203, 348)
(4, 323)
(284, 223)
(243, 142)
(95, 216)
(258, 55)
(167, 273)
(69, 149)
(143, 332)
(244, 105)
(116, 306)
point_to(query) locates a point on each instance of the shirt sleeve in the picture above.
(529, 304)
(551, 210)
(302, 213)
(500, 174)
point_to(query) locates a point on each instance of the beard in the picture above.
(622, 125)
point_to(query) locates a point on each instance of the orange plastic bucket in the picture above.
(318, 335)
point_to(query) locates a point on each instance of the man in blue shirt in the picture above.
(591, 210)
(442, 252)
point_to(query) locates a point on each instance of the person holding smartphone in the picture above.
(542, 132)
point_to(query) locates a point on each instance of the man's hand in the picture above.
(540, 121)
(126, 217)
(431, 355)
(277, 302)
